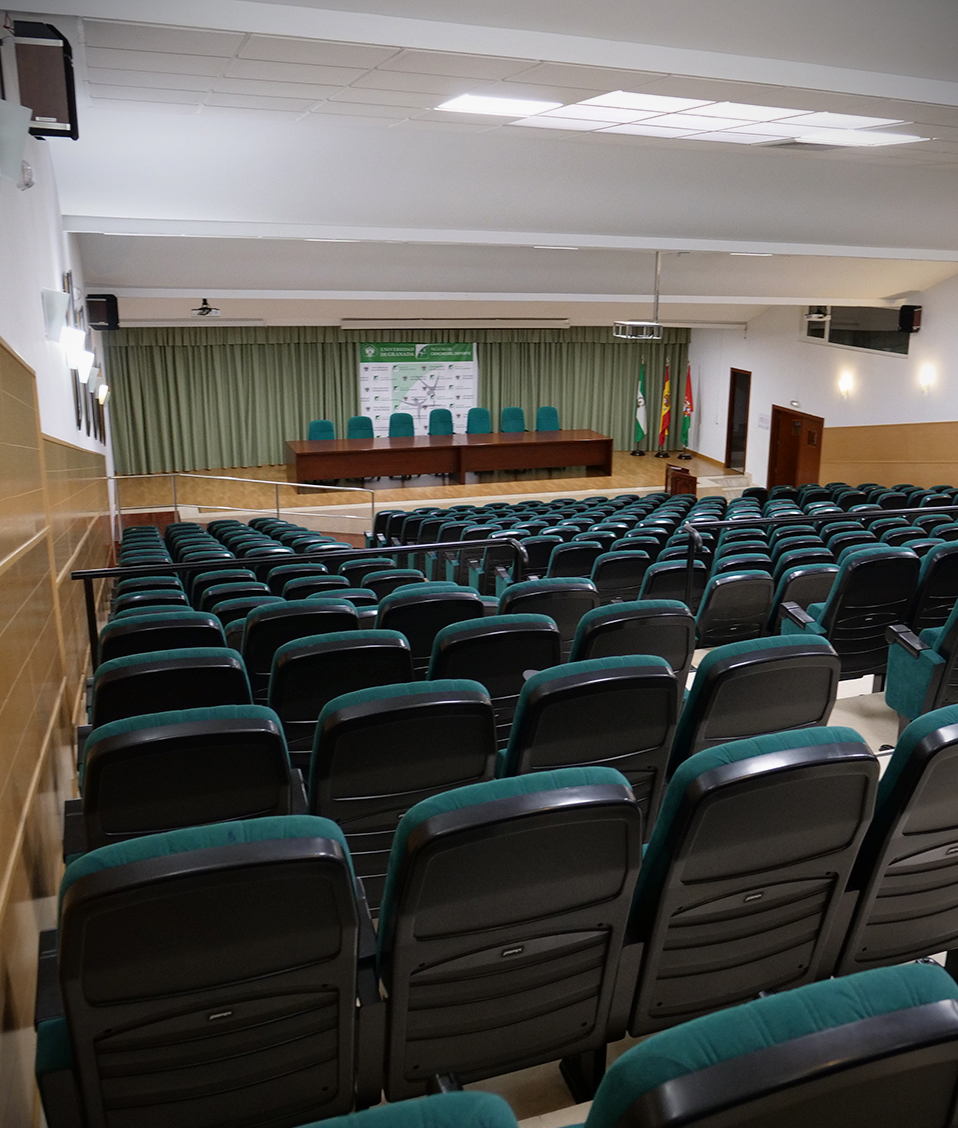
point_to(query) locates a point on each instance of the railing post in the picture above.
(176, 508)
(277, 501)
(91, 624)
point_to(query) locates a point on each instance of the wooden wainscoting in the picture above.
(923, 453)
(52, 517)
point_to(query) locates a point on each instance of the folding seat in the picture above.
(937, 590)
(617, 712)
(605, 538)
(947, 531)
(355, 570)
(759, 493)
(743, 880)
(563, 600)
(745, 689)
(747, 532)
(499, 652)
(793, 544)
(307, 673)
(214, 970)
(377, 538)
(921, 672)
(905, 879)
(267, 628)
(176, 629)
(305, 586)
(921, 546)
(420, 611)
(147, 583)
(838, 542)
(152, 597)
(745, 562)
(872, 591)
(359, 427)
(883, 524)
(898, 536)
(478, 421)
(512, 420)
(573, 559)
(876, 1050)
(784, 493)
(663, 627)
(803, 584)
(361, 598)
(378, 751)
(800, 557)
(237, 589)
(160, 771)
(282, 573)
(230, 611)
(847, 498)
(502, 926)
(618, 575)
(151, 681)
(740, 547)
(735, 606)
(383, 582)
(669, 580)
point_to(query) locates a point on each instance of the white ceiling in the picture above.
(235, 133)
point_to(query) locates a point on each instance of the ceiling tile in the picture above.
(439, 126)
(569, 124)
(153, 61)
(266, 89)
(567, 95)
(419, 83)
(149, 37)
(352, 109)
(599, 79)
(101, 76)
(468, 66)
(292, 72)
(279, 49)
(251, 102)
(386, 98)
(141, 94)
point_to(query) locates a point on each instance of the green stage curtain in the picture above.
(201, 397)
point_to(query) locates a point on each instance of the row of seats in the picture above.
(402, 424)
(230, 970)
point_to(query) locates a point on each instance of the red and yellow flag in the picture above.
(665, 419)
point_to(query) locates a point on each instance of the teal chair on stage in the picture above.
(547, 419)
(401, 425)
(478, 421)
(359, 427)
(440, 421)
(513, 420)
(321, 429)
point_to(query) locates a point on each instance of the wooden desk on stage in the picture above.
(454, 455)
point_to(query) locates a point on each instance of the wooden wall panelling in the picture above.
(923, 453)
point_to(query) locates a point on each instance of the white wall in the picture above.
(785, 367)
(33, 257)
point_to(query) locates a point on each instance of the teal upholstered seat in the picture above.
(758, 834)
(321, 429)
(642, 626)
(359, 427)
(440, 421)
(473, 1109)
(401, 425)
(788, 1048)
(547, 419)
(922, 672)
(160, 629)
(478, 421)
(512, 420)
(735, 606)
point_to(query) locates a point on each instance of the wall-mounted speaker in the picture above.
(909, 319)
(45, 75)
(102, 311)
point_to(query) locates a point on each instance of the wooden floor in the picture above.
(628, 473)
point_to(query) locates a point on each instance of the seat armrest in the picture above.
(905, 638)
(298, 803)
(48, 1001)
(799, 617)
(74, 830)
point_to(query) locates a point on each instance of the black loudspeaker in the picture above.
(909, 319)
(45, 73)
(102, 311)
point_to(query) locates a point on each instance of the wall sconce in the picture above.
(74, 344)
(84, 365)
(926, 377)
(845, 383)
(102, 393)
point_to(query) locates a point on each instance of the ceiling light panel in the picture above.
(598, 113)
(737, 138)
(856, 137)
(654, 103)
(745, 111)
(545, 122)
(501, 107)
(696, 121)
(640, 129)
(844, 121)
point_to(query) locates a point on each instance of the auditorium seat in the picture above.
(664, 627)
(874, 1050)
(355, 570)
(359, 427)
(230, 610)
(618, 574)
(746, 869)
(170, 630)
(387, 580)
(499, 652)
(547, 419)
(668, 580)
(502, 927)
(256, 929)
(611, 712)
(307, 673)
(937, 590)
(872, 591)
(759, 686)
(922, 672)
(564, 600)
(321, 429)
(573, 559)
(512, 420)
(380, 750)
(303, 587)
(803, 584)
(153, 681)
(151, 597)
(735, 606)
(236, 589)
(478, 421)
(267, 628)
(281, 574)
(146, 583)
(420, 611)
(160, 771)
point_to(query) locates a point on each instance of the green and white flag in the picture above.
(641, 412)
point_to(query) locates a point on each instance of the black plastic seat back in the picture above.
(169, 679)
(218, 593)
(502, 937)
(937, 590)
(746, 870)
(283, 573)
(302, 587)
(668, 581)
(380, 751)
(267, 628)
(665, 628)
(563, 600)
(139, 634)
(618, 575)
(735, 606)
(309, 673)
(420, 616)
(539, 549)
(803, 586)
(497, 651)
(220, 983)
(212, 766)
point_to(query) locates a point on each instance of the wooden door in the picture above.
(795, 447)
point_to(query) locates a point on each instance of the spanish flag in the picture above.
(665, 419)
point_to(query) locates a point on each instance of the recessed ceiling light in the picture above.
(856, 137)
(545, 122)
(752, 254)
(654, 103)
(737, 138)
(612, 115)
(781, 129)
(844, 121)
(551, 247)
(744, 110)
(500, 107)
(697, 122)
(643, 130)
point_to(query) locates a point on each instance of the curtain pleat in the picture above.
(205, 398)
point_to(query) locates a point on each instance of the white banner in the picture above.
(417, 378)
